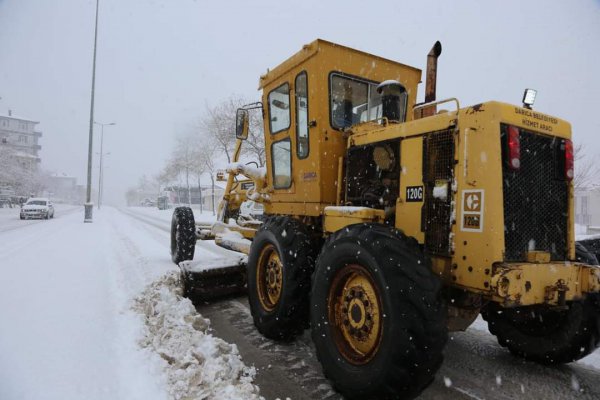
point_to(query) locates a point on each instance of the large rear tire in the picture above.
(547, 335)
(280, 265)
(377, 316)
(183, 235)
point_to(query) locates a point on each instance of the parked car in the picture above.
(37, 207)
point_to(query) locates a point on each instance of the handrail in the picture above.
(435, 103)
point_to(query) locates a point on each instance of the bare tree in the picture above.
(219, 124)
(199, 155)
(183, 161)
(586, 171)
(20, 172)
(254, 146)
(207, 155)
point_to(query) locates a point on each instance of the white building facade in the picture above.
(587, 209)
(19, 135)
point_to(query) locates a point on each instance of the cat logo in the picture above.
(472, 211)
(473, 202)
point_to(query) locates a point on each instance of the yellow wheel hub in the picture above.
(269, 277)
(354, 311)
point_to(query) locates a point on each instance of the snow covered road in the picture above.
(68, 329)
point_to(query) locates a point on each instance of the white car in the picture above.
(37, 207)
(251, 210)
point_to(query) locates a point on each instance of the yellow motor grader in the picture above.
(388, 223)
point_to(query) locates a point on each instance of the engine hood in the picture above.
(35, 208)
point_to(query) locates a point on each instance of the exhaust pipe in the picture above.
(431, 73)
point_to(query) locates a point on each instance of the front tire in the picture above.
(183, 235)
(547, 335)
(280, 265)
(377, 316)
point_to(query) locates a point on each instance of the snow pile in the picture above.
(197, 365)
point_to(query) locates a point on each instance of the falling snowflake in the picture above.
(575, 383)
(447, 381)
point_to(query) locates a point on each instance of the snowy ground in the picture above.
(93, 311)
(73, 329)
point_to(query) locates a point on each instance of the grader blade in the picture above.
(213, 278)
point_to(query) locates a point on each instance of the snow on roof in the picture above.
(60, 175)
(19, 118)
(25, 155)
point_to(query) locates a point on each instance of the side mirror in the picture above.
(241, 124)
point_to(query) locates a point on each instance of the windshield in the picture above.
(36, 203)
(354, 101)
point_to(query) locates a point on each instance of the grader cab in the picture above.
(388, 223)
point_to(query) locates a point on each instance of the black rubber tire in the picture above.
(21, 217)
(292, 242)
(414, 330)
(545, 335)
(588, 251)
(183, 235)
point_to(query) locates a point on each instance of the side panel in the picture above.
(409, 206)
(479, 229)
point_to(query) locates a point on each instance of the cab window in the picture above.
(301, 94)
(354, 100)
(279, 108)
(282, 164)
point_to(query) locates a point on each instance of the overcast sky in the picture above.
(160, 62)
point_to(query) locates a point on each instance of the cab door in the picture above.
(279, 144)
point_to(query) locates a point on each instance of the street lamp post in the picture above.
(89, 207)
(101, 172)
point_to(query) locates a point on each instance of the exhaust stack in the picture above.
(430, 84)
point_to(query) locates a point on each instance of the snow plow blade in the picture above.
(211, 279)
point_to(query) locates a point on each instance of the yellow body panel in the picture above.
(317, 174)
(336, 218)
(477, 172)
(549, 283)
(475, 260)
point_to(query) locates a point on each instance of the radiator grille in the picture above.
(438, 165)
(535, 199)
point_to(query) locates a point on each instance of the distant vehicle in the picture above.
(147, 203)
(251, 209)
(37, 207)
(162, 202)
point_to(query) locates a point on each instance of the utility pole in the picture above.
(101, 171)
(88, 206)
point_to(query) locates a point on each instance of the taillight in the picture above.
(514, 148)
(569, 160)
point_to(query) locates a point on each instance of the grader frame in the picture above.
(352, 160)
